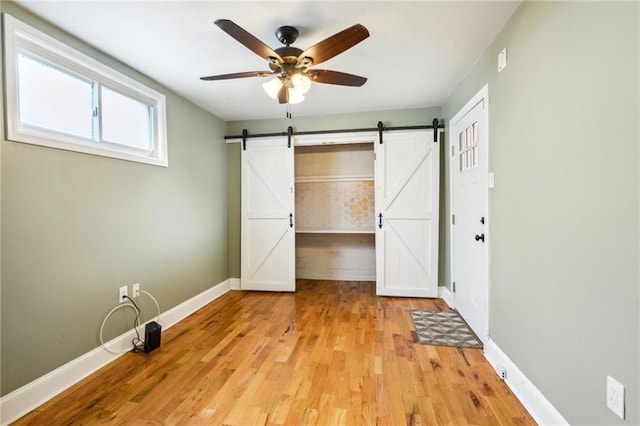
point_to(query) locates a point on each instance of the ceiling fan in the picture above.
(290, 66)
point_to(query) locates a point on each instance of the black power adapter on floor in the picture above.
(152, 333)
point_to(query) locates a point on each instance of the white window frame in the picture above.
(20, 37)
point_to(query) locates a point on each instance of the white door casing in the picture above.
(267, 205)
(407, 172)
(469, 165)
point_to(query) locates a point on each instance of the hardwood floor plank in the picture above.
(330, 354)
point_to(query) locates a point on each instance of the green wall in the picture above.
(75, 227)
(564, 294)
(406, 117)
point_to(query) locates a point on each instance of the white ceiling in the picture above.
(416, 55)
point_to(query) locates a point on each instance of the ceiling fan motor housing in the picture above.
(289, 57)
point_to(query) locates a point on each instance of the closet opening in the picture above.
(335, 211)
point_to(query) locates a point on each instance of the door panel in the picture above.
(268, 238)
(469, 204)
(407, 184)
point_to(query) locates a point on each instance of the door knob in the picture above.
(480, 237)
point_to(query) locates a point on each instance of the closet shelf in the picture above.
(334, 231)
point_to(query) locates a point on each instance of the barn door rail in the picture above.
(434, 125)
(380, 128)
(245, 135)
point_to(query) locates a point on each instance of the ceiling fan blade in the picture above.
(237, 75)
(336, 77)
(283, 94)
(248, 40)
(334, 45)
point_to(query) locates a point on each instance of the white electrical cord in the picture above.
(123, 305)
(155, 301)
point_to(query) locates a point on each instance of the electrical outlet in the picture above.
(135, 290)
(615, 396)
(502, 372)
(122, 293)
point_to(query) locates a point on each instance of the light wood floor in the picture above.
(332, 353)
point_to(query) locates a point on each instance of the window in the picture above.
(61, 98)
(468, 147)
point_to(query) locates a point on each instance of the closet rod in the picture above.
(321, 132)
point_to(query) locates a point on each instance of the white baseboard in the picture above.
(234, 283)
(30, 396)
(445, 294)
(533, 400)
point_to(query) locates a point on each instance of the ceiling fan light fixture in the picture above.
(301, 83)
(297, 86)
(295, 97)
(272, 87)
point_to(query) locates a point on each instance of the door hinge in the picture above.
(453, 286)
(452, 150)
(453, 219)
(375, 155)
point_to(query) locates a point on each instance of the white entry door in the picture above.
(407, 171)
(469, 208)
(267, 227)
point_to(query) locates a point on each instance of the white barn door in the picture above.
(267, 227)
(407, 179)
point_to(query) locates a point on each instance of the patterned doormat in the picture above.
(443, 329)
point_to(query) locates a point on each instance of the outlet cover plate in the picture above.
(615, 396)
(502, 59)
(122, 292)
